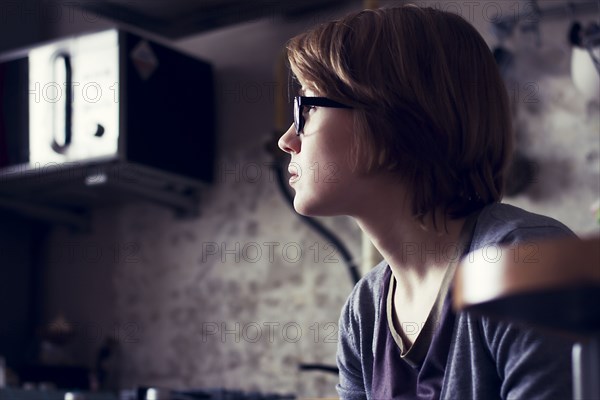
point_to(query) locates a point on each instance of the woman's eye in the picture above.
(308, 108)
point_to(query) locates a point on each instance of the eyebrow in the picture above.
(301, 92)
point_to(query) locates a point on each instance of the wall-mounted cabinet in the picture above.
(103, 118)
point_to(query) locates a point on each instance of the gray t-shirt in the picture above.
(487, 359)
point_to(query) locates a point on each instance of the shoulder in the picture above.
(500, 223)
(366, 293)
(362, 306)
(357, 329)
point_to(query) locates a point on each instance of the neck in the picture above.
(414, 251)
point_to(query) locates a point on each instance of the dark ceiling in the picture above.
(178, 18)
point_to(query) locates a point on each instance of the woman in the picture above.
(403, 123)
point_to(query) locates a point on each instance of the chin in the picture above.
(314, 209)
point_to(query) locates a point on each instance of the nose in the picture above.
(289, 141)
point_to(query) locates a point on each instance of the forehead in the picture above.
(307, 91)
(300, 87)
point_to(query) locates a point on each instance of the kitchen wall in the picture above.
(237, 298)
(241, 296)
(19, 279)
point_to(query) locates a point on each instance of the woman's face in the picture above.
(320, 162)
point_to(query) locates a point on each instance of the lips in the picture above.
(293, 174)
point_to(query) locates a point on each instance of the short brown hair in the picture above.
(429, 101)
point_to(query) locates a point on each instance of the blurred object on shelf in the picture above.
(35, 394)
(153, 393)
(585, 59)
(59, 331)
(595, 209)
(55, 338)
(106, 366)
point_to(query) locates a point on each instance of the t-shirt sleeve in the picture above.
(531, 363)
(351, 385)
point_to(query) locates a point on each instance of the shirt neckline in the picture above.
(416, 353)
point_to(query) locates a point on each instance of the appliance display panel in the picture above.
(74, 99)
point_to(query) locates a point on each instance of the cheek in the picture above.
(329, 172)
(362, 157)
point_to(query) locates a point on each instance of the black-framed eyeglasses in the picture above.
(302, 101)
